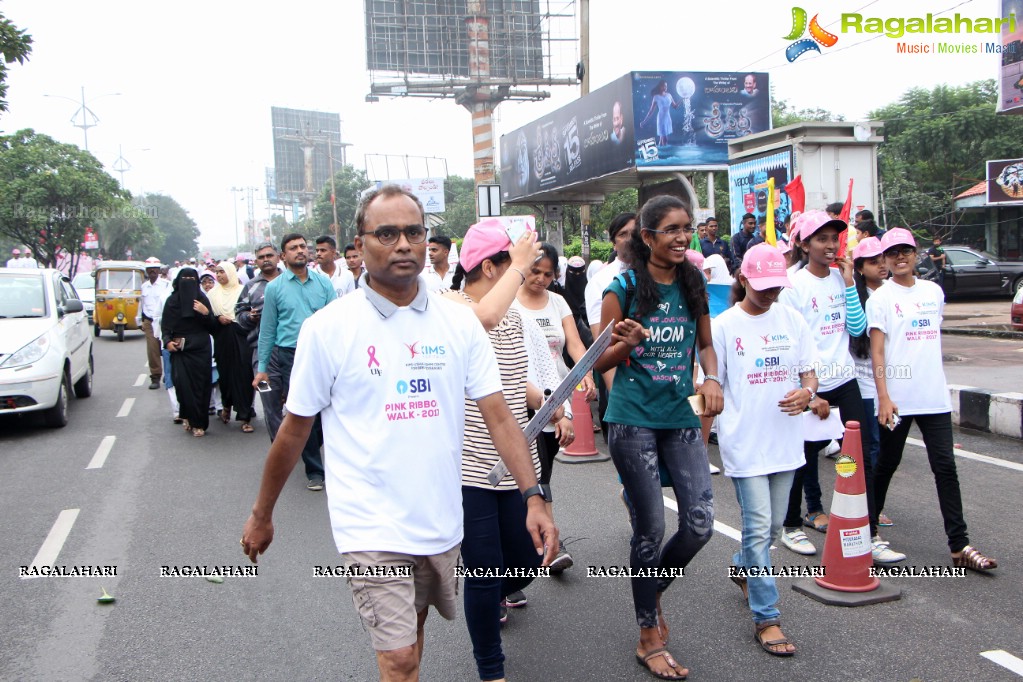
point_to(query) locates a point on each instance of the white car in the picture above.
(85, 285)
(45, 344)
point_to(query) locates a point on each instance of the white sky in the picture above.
(198, 79)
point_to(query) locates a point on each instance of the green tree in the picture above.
(172, 222)
(349, 183)
(50, 192)
(128, 227)
(936, 145)
(784, 114)
(15, 46)
(459, 206)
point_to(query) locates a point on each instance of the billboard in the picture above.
(430, 192)
(747, 186)
(684, 119)
(1010, 75)
(432, 37)
(586, 139)
(301, 140)
(1005, 181)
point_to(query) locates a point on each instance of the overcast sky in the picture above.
(197, 79)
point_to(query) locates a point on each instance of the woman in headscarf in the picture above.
(186, 327)
(233, 364)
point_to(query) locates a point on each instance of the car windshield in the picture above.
(83, 280)
(22, 296)
(119, 280)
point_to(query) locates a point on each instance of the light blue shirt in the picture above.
(287, 303)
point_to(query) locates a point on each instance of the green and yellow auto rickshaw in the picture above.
(118, 296)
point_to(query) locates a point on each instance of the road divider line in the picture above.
(126, 407)
(54, 542)
(966, 454)
(101, 452)
(1004, 659)
(141, 380)
(719, 527)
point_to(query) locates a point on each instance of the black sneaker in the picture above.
(562, 561)
(314, 484)
(154, 384)
(515, 600)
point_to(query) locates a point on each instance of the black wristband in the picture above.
(540, 489)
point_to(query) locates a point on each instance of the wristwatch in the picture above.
(541, 489)
(711, 377)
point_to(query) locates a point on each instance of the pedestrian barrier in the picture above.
(847, 558)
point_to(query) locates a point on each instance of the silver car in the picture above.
(85, 284)
(45, 344)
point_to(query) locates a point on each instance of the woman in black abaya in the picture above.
(187, 324)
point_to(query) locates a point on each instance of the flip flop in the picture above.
(811, 521)
(668, 658)
(247, 428)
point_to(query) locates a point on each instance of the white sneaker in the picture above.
(796, 540)
(714, 469)
(831, 449)
(882, 553)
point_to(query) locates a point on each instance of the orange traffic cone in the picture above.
(583, 448)
(847, 558)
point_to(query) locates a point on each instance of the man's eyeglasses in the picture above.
(673, 232)
(388, 234)
(900, 251)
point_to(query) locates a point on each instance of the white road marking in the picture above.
(126, 407)
(966, 454)
(141, 380)
(54, 542)
(101, 452)
(1004, 659)
(719, 527)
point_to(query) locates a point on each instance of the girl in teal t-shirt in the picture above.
(651, 423)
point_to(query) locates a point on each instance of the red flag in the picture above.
(797, 195)
(843, 236)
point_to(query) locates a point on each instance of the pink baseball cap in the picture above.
(897, 236)
(868, 248)
(764, 267)
(695, 257)
(483, 240)
(16, 252)
(812, 221)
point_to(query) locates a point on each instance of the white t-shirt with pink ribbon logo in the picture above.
(821, 302)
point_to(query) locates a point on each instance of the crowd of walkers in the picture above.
(419, 406)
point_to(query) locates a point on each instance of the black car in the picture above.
(968, 271)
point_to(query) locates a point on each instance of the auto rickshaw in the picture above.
(118, 296)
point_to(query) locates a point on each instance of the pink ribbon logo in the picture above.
(738, 344)
(372, 352)
(813, 302)
(898, 310)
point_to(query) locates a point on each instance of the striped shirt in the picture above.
(478, 452)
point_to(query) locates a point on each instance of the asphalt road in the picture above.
(163, 498)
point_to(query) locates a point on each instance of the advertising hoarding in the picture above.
(684, 119)
(747, 186)
(300, 138)
(1010, 73)
(1005, 181)
(586, 139)
(430, 191)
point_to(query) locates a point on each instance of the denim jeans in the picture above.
(636, 452)
(495, 537)
(847, 398)
(937, 433)
(762, 500)
(870, 428)
(278, 370)
(168, 383)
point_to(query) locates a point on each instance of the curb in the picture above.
(987, 411)
(974, 331)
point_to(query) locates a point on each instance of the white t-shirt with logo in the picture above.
(911, 317)
(821, 302)
(391, 392)
(549, 319)
(760, 358)
(342, 280)
(865, 370)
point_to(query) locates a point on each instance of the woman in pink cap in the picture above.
(763, 350)
(904, 317)
(496, 539)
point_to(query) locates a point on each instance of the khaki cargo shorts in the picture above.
(396, 588)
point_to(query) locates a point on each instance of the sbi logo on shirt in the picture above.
(772, 361)
(921, 323)
(413, 386)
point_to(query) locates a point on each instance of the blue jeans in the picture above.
(168, 383)
(636, 452)
(495, 537)
(763, 501)
(871, 430)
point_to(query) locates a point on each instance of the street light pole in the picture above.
(85, 113)
(234, 197)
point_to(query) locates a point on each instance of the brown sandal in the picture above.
(974, 560)
(668, 658)
(198, 433)
(741, 582)
(225, 416)
(767, 645)
(247, 427)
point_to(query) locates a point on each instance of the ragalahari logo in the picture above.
(803, 45)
